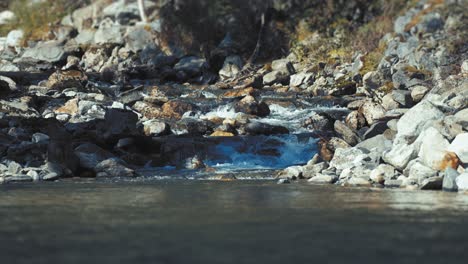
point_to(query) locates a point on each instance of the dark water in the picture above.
(228, 222)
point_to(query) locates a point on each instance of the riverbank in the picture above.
(108, 96)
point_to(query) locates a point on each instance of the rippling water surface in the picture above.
(228, 222)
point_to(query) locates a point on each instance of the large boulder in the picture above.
(400, 155)
(249, 105)
(372, 112)
(433, 146)
(412, 123)
(50, 51)
(460, 147)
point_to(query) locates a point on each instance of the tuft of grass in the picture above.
(38, 19)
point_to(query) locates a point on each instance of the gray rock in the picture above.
(376, 129)
(283, 181)
(281, 66)
(430, 23)
(335, 143)
(433, 183)
(156, 128)
(450, 180)
(40, 138)
(7, 84)
(372, 112)
(460, 147)
(393, 183)
(91, 155)
(433, 147)
(294, 172)
(378, 144)
(414, 121)
(108, 33)
(273, 77)
(382, 173)
(85, 37)
(388, 103)
(400, 155)
(14, 38)
(355, 120)
(393, 124)
(351, 157)
(358, 182)
(50, 51)
(346, 133)
(310, 171)
(114, 167)
(462, 182)
(14, 167)
(418, 92)
(323, 179)
(138, 38)
(302, 78)
(461, 118)
(372, 80)
(232, 67)
(52, 176)
(192, 65)
(403, 97)
(420, 172)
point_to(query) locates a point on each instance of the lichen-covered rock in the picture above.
(372, 112)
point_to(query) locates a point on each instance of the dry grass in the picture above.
(37, 20)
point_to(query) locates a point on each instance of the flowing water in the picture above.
(181, 221)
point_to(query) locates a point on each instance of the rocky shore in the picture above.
(107, 96)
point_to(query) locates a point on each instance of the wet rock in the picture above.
(449, 183)
(222, 134)
(40, 138)
(294, 172)
(358, 182)
(113, 167)
(420, 172)
(414, 121)
(351, 157)
(372, 112)
(61, 80)
(118, 123)
(460, 147)
(393, 183)
(176, 109)
(108, 33)
(90, 155)
(51, 52)
(383, 173)
(320, 122)
(52, 176)
(232, 67)
(257, 128)
(418, 93)
(346, 133)
(323, 179)
(283, 181)
(239, 92)
(433, 183)
(462, 182)
(249, 105)
(193, 163)
(310, 171)
(156, 128)
(355, 120)
(193, 126)
(7, 86)
(192, 66)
